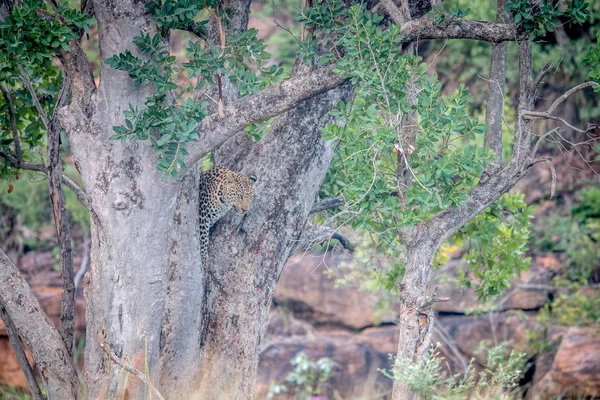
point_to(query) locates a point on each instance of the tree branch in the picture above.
(24, 165)
(38, 333)
(61, 221)
(456, 28)
(214, 131)
(548, 113)
(394, 12)
(138, 374)
(36, 101)
(13, 122)
(326, 205)
(15, 342)
(495, 101)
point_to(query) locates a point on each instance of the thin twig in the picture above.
(537, 144)
(13, 122)
(81, 196)
(541, 75)
(24, 165)
(570, 92)
(36, 101)
(84, 262)
(130, 369)
(15, 342)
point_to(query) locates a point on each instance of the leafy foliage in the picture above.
(496, 241)
(32, 36)
(445, 161)
(541, 17)
(307, 378)
(170, 118)
(575, 236)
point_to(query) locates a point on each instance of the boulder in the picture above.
(574, 368)
(358, 360)
(313, 296)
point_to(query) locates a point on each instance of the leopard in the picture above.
(221, 189)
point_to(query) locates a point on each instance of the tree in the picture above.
(151, 304)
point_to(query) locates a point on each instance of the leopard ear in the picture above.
(252, 178)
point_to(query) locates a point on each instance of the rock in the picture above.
(314, 297)
(10, 371)
(529, 292)
(574, 369)
(356, 373)
(468, 332)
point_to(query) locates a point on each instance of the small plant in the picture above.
(496, 380)
(306, 380)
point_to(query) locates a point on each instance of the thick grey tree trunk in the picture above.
(148, 298)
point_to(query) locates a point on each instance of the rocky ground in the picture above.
(311, 314)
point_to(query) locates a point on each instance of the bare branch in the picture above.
(313, 235)
(36, 101)
(456, 28)
(15, 342)
(541, 74)
(138, 374)
(544, 136)
(81, 196)
(37, 332)
(13, 122)
(61, 222)
(326, 205)
(24, 165)
(569, 93)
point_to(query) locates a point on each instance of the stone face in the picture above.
(575, 368)
(313, 296)
(358, 361)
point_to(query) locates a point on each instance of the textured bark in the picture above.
(37, 332)
(495, 101)
(15, 343)
(61, 221)
(290, 163)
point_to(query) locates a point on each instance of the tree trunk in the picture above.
(148, 298)
(415, 315)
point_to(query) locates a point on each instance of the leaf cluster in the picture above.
(170, 115)
(541, 17)
(445, 162)
(32, 36)
(499, 375)
(496, 242)
(307, 378)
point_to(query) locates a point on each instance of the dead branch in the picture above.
(313, 235)
(61, 222)
(27, 166)
(326, 205)
(138, 374)
(530, 115)
(36, 101)
(15, 342)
